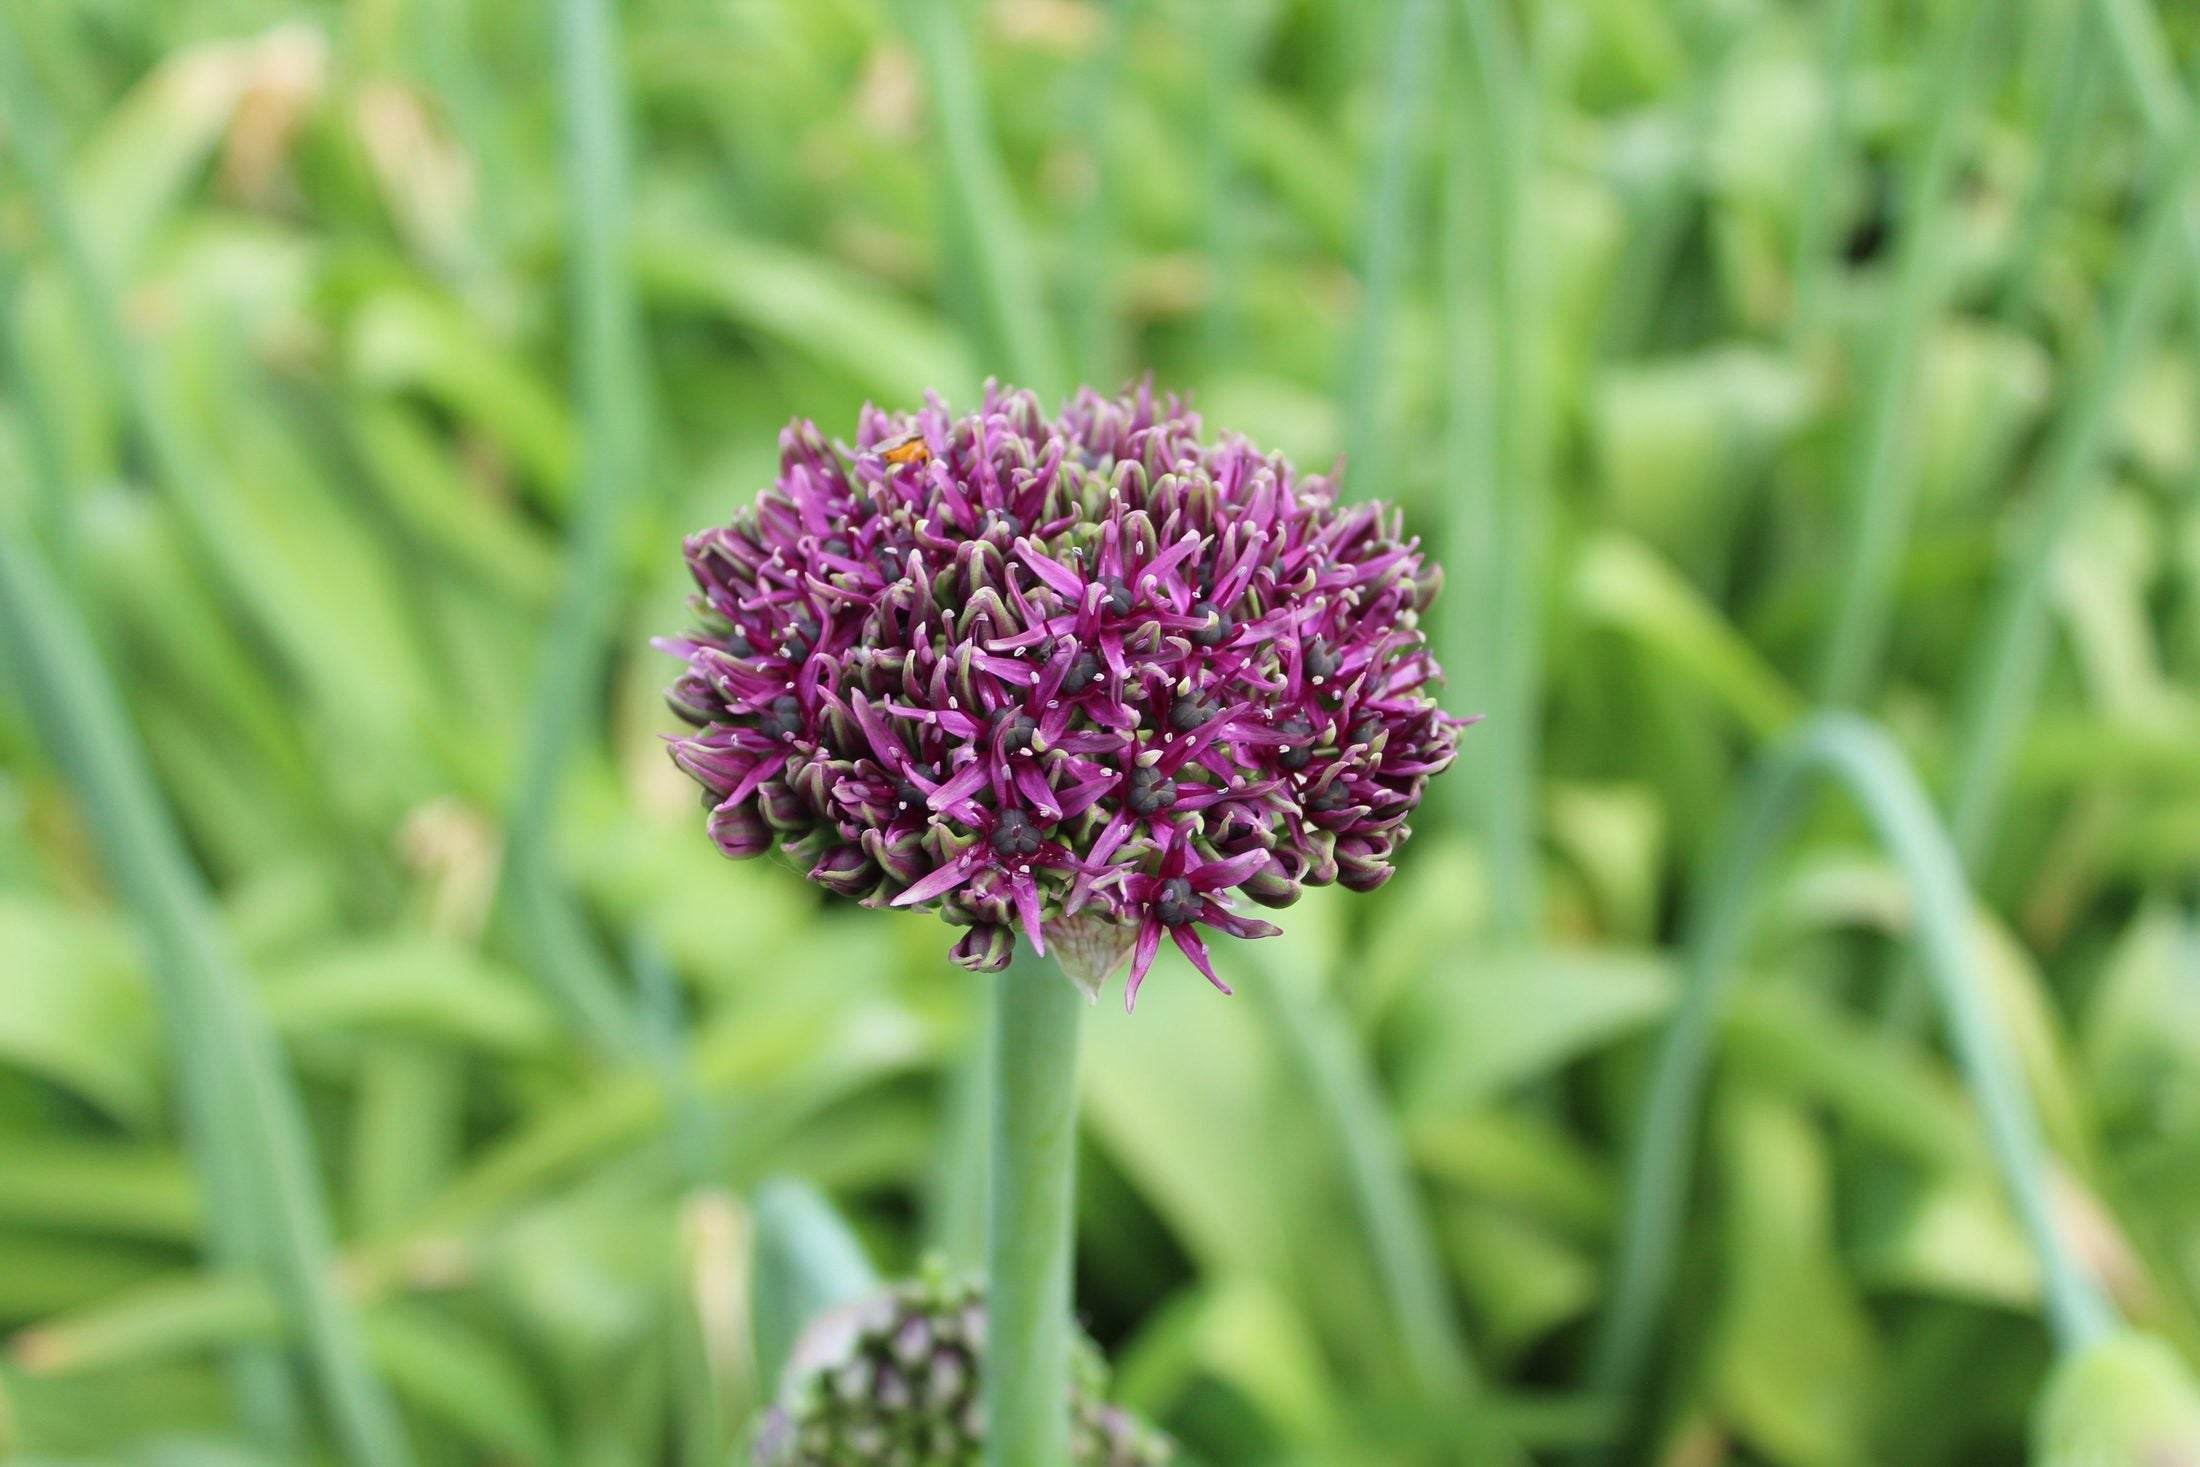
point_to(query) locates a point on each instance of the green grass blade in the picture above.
(1622, 583)
(2003, 683)
(1228, 48)
(2143, 58)
(1881, 477)
(614, 411)
(992, 252)
(1495, 520)
(1328, 1067)
(2143, 61)
(1385, 258)
(1089, 306)
(34, 141)
(54, 514)
(1866, 764)
(247, 1126)
(1814, 222)
(2070, 113)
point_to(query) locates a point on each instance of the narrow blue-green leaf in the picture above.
(34, 143)
(1384, 256)
(1814, 205)
(1496, 518)
(1880, 479)
(1089, 301)
(247, 1128)
(991, 250)
(2003, 681)
(1866, 764)
(614, 412)
(1329, 1068)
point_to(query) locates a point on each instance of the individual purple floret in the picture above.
(1078, 677)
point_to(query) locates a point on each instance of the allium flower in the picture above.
(894, 1379)
(1078, 677)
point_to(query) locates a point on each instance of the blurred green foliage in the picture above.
(1735, 353)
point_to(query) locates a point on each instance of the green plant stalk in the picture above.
(1881, 472)
(2143, 60)
(1494, 458)
(2004, 681)
(2001, 686)
(2077, 96)
(1658, 224)
(536, 909)
(1866, 763)
(246, 1124)
(1331, 1070)
(1383, 266)
(241, 1231)
(2143, 57)
(1031, 1218)
(53, 516)
(1814, 223)
(994, 252)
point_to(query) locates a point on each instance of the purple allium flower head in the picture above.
(1079, 677)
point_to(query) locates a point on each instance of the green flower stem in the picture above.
(1032, 1219)
(1861, 758)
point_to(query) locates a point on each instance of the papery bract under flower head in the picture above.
(1034, 671)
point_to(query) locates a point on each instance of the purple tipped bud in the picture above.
(984, 949)
(782, 808)
(739, 831)
(1272, 885)
(1363, 862)
(847, 870)
(900, 855)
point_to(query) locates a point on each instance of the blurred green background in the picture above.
(363, 362)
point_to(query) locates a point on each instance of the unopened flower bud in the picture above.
(2127, 1401)
(845, 869)
(896, 1378)
(985, 948)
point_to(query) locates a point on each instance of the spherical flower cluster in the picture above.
(1081, 677)
(893, 1379)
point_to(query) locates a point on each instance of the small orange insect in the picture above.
(906, 448)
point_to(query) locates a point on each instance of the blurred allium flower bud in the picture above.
(2125, 1402)
(893, 1380)
(1078, 677)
